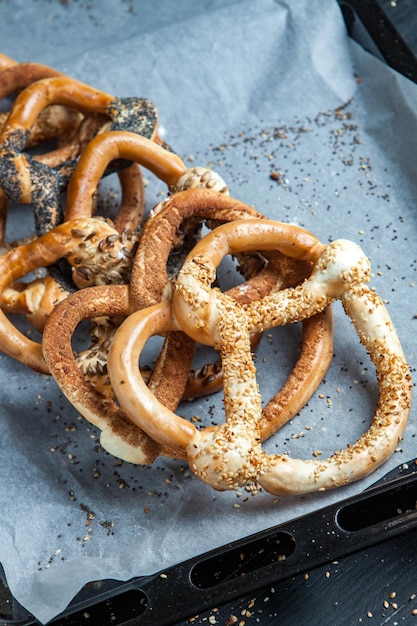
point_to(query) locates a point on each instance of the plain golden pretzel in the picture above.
(115, 145)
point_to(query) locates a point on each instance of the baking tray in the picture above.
(382, 512)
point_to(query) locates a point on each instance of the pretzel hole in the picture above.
(6, 103)
(108, 196)
(346, 397)
(16, 225)
(151, 352)
(81, 338)
(21, 320)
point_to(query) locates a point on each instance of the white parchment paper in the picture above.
(250, 88)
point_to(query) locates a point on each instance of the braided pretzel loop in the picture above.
(231, 455)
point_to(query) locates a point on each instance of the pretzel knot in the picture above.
(231, 455)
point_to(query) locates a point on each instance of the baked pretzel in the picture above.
(97, 253)
(119, 435)
(231, 455)
(46, 193)
(169, 381)
(23, 178)
(150, 283)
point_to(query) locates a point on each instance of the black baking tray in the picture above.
(112, 602)
(368, 22)
(383, 511)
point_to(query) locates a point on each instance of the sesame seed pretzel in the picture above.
(231, 455)
(150, 283)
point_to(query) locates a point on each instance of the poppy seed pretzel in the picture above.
(42, 179)
(231, 455)
(136, 114)
(52, 182)
(25, 179)
(37, 298)
(55, 121)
